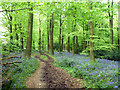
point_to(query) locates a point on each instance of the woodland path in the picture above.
(49, 76)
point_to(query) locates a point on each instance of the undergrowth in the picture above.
(95, 75)
(20, 73)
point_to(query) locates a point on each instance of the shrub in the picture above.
(43, 57)
(64, 62)
(114, 55)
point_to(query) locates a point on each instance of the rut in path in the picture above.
(49, 76)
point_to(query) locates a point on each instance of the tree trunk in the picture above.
(21, 36)
(33, 45)
(11, 37)
(29, 38)
(51, 34)
(48, 31)
(62, 43)
(39, 35)
(60, 35)
(74, 28)
(119, 26)
(92, 57)
(16, 34)
(73, 47)
(69, 44)
(77, 45)
(42, 41)
(111, 25)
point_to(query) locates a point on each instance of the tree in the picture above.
(74, 28)
(29, 38)
(17, 38)
(111, 23)
(48, 32)
(69, 44)
(119, 26)
(60, 35)
(11, 31)
(39, 35)
(51, 34)
(92, 57)
(21, 36)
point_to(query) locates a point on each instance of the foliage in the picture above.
(64, 62)
(114, 55)
(43, 57)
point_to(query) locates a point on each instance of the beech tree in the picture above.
(92, 57)
(51, 34)
(111, 22)
(71, 26)
(29, 38)
(119, 25)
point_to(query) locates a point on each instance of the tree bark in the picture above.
(92, 57)
(119, 26)
(74, 28)
(29, 38)
(77, 45)
(11, 37)
(60, 35)
(39, 36)
(62, 43)
(48, 31)
(73, 47)
(111, 25)
(33, 45)
(16, 34)
(21, 36)
(69, 44)
(51, 34)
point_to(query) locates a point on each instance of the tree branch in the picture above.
(14, 10)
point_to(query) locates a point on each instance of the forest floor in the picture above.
(50, 76)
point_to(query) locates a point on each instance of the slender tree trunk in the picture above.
(77, 45)
(33, 45)
(62, 42)
(39, 35)
(69, 44)
(60, 35)
(42, 41)
(29, 38)
(119, 26)
(92, 57)
(51, 34)
(16, 35)
(11, 37)
(74, 28)
(21, 36)
(84, 42)
(48, 31)
(111, 24)
(73, 47)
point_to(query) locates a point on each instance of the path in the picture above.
(49, 76)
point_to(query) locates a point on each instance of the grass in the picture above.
(43, 57)
(51, 55)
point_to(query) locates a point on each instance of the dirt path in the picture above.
(49, 76)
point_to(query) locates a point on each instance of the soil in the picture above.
(50, 76)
